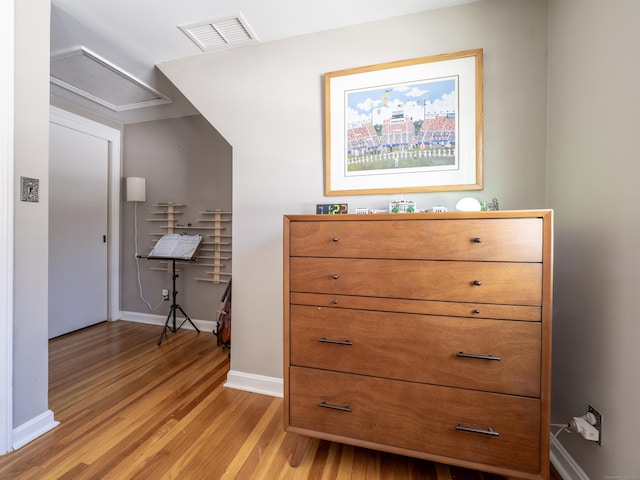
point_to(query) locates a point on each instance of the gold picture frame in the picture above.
(406, 126)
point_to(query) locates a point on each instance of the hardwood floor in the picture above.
(129, 409)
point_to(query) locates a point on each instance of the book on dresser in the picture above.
(422, 334)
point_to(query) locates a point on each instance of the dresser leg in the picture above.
(302, 442)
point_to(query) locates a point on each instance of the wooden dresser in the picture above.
(422, 334)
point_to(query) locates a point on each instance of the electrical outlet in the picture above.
(598, 424)
(165, 294)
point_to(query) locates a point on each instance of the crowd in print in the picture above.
(400, 141)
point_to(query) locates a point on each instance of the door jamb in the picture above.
(6, 222)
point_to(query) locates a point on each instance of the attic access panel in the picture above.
(86, 74)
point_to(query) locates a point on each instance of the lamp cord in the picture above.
(135, 239)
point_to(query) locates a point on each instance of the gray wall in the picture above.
(184, 161)
(250, 95)
(31, 137)
(594, 106)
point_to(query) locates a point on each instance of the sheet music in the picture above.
(174, 245)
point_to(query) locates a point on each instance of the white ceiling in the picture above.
(135, 35)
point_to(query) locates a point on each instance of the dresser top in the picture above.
(541, 213)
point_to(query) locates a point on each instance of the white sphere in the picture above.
(468, 204)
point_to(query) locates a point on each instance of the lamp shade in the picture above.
(136, 189)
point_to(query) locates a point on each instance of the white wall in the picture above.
(594, 165)
(266, 100)
(31, 133)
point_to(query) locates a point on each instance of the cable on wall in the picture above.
(563, 427)
(137, 257)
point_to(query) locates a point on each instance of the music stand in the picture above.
(172, 247)
(174, 305)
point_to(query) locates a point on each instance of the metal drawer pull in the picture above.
(336, 276)
(476, 311)
(481, 357)
(336, 342)
(335, 301)
(477, 240)
(477, 282)
(346, 408)
(335, 239)
(488, 431)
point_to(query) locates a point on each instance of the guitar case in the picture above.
(223, 325)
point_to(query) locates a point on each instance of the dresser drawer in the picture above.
(427, 307)
(492, 355)
(508, 239)
(484, 282)
(494, 429)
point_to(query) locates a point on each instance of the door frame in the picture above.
(6, 223)
(113, 137)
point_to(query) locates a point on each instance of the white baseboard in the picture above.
(250, 382)
(564, 463)
(153, 319)
(33, 429)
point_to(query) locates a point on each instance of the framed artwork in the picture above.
(407, 126)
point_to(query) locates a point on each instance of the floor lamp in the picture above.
(137, 192)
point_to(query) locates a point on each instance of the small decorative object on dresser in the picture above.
(402, 206)
(426, 335)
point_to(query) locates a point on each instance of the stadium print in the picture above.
(404, 127)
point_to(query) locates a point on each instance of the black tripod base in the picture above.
(173, 328)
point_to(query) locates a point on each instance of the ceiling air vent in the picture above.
(220, 33)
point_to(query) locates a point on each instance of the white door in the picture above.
(78, 179)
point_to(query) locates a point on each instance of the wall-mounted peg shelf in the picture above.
(215, 248)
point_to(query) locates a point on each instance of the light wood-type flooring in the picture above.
(129, 409)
